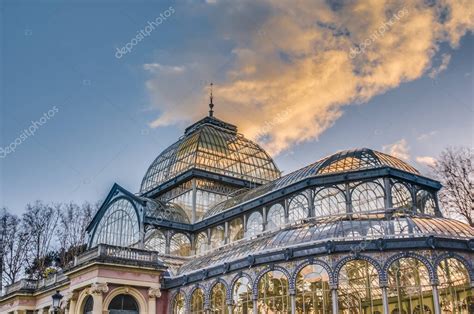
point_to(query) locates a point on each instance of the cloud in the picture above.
(426, 136)
(445, 58)
(156, 67)
(426, 161)
(398, 149)
(291, 73)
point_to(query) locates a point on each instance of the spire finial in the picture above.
(211, 105)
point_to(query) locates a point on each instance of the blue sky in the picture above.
(114, 116)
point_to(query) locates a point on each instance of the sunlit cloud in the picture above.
(291, 73)
(435, 71)
(398, 149)
(426, 161)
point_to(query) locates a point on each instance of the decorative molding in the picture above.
(98, 288)
(155, 292)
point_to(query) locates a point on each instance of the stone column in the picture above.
(71, 299)
(437, 309)
(386, 310)
(255, 311)
(293, 302)
(335, 307)
(230, 306)
(153, 294)
(97, 290)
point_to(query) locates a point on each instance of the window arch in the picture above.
(273, 296)
(359, 290)
(425, 202)
(455, 293)
(313, 294)
(367, 196)
(88, 305)
(242, 296)
(298, 208)
(201, 243)
(123, 303)
(218, 299)
(236, 229)
(155, 240)
(217, 237)
(275, 217)
(180, 245)
(409, 286)
(197, 302)
(179, 304)
(401, 196)
(119, 225)
(254, 224)
(329, 201)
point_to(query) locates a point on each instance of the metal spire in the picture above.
(211, 105)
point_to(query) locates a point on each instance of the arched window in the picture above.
(329, 201)
(298, 208)
(197, 302)
(180, 245)
(242, 296)
(425, 202)
(254, 224)
(313, 294)
(201, 243)
(217, 237)
(401, 196)
(179, 304)
(123, 303)
(119, 225)
(155, 241)
(359, 290)
(366, 197)
(273, 296)
(275, 217)
(88, 305)
(455, 293)
(409, 286)
(218, 299)
(236, 229)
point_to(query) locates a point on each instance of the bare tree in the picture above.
(14, 247)
(454, 170)
(40, 222)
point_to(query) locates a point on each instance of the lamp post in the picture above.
(56, 299)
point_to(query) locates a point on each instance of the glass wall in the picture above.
(180, 245)
(155, 241)
(236, 229)
(329, 201)
(409, 289)
(201, 244)
(298, 208)
(218, 299)
(254, 224)
(273, 294)
(242, 296)
(359, 290)
(217, 237)
(313, 294)
(425, 202)
(367, 196)
(179, 304)
(401, 196)
(455, 293)
(275, 217)
(197, 302)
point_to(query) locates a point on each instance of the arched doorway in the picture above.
(88, 305)
(123, 304)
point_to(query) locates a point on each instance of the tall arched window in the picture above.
(273, 296)
(180, 245)
(329, 202)
(409, 288)
(254, 224)
(88, 305)
(298, 208)
(359, 290)
(155, 241)
(367, 197)
(425, 202)
(455, 293)
(201, 243)
(197, 302)
(275, 217)
(236, 229)
(313, 294)
(217, 237)
(179, 304)
(119, 225)
(242, 296)
(218, 299)
(123, 303)
(401, 196)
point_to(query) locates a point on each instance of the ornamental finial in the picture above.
(211, 105)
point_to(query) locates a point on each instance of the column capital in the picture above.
(99, 288)
(155, 292)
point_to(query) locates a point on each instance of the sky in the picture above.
(92, 91)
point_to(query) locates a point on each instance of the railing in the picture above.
(23, 284)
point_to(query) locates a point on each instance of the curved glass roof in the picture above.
(332, 229)
(169, 211)
(344, 161)
(215, 146)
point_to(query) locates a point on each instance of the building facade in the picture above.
(216, 228)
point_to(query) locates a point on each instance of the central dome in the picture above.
(215, 146)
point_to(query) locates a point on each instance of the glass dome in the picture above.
(215, 146)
